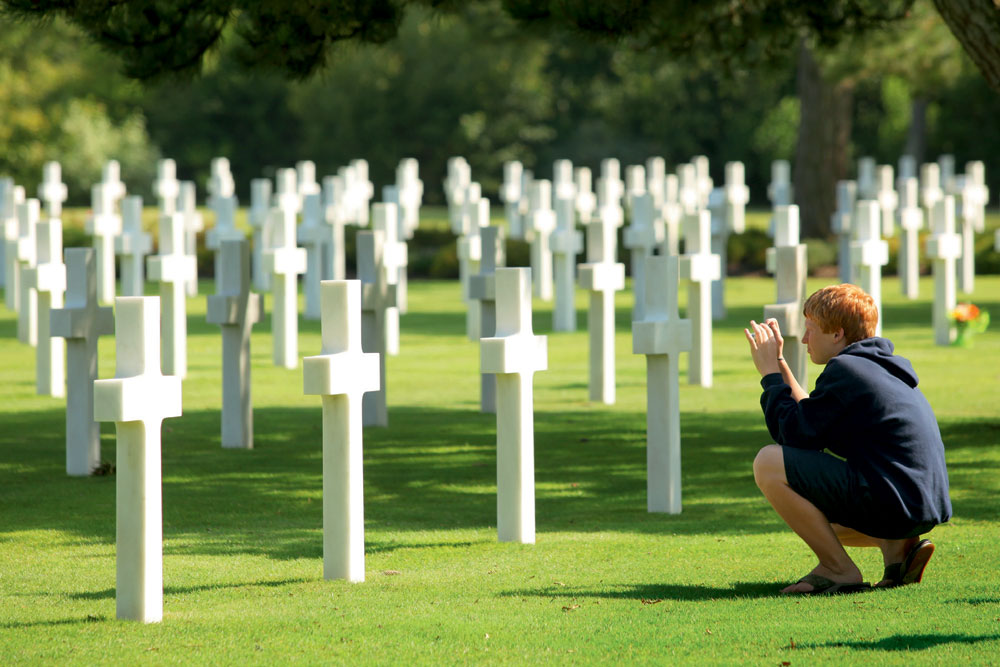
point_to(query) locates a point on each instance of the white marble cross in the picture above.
(867, 186)
(780, 191)
(788, 261)
(510, 194)
(341, 374)
(312, 234)
(48, 279)
(193, 222)
(888, 199)
(662, 335)
(586, 200)
(336, 218)
(137, 400)
(482, 288)
(104, 225)
(456, 183)
(602, 276)
(656, 175)
(365, 191)
(132, 245)
(842, 223)
(27, 313)
(52, 191)
(305, 176)
(236, 309)
(640, 238)
(223, 230)
(173, 269)
(8, 240)
(220, 182)
(391, 195)
(946, 166)
(475, 214)
(610, 187)
(943, 247)
(672, 214)
(285, 261)
(377, 295)
(907, 169)
(911, 221)
(705, 184)
(974, 196)
(394, 259)
(700, 267)
(259, 218)
(411, 195)
(728, 207)
(541, 225)
(930, 186)
(81, 322)
(111, 177)
(635, 184)
(688, 194)
(869, 253)
(167, 189)
(566, 242)
(515, 354)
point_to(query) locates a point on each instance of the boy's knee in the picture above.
(769, 465)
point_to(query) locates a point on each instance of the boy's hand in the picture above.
(764, 346)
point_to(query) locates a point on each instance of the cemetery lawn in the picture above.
(606, 581)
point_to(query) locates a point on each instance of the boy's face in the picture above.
(822, 346)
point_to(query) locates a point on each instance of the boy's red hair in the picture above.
(844, 306)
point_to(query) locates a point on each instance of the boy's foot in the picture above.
(911, 569)
(823, 581)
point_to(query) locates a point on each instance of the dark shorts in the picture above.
(843, 495)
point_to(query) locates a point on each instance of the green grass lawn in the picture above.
(605, 582)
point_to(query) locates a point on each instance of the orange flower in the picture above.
(965, 312)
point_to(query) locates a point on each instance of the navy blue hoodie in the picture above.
(867, 409)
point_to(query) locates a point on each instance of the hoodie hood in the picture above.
(880, 351)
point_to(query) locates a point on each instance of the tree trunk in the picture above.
(821, 152)
(976, 25)
(916, 133)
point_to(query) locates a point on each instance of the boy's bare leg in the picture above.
(805, 519)
(893, 551)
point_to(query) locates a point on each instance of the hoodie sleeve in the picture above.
(814, 422)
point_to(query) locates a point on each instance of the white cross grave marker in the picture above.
(473, 217)
(930, 186)
(52, 191)
(640, 238)
(869, 253)
(81, 322)
(601, 276)
(391, 195)
(974, 197)
(542, 224)
(888, 199)
(335, 217)
(193, 223)
(700, 267)
(662, 335)
(259, 218)
(236, 309)
(173, 269)
(365, 190)
(946, 166)
(394, 259)
(613, 190)
(48, 279)
(515, 354)
(167, 189)
(566, 243)
(867, 186)
(790, 267)
(27, 313)
(223, 230)
(285, 261)
(635, 184)
(510, 194)
(137, 400)
(911, 220)
(132, 245)
(483, 289)
(672, 215)
(780, 191)
(111, 177)
(943, 247)
(411, 194)
(8, 239)
(688, 193)
(341, 374)
(656, 174)
(104, 224)
(312, 234)
(377, 295)
(842, 225)
(586, 200)
(705, 184)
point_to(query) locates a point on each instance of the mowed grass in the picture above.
(606, 581)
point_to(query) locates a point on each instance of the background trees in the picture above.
(476, 82)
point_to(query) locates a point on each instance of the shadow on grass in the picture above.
(916, 642)
(51, 624)
(109, 593)
(653, 593)
(433, 469)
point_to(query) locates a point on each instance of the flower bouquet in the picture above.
(969, 320)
